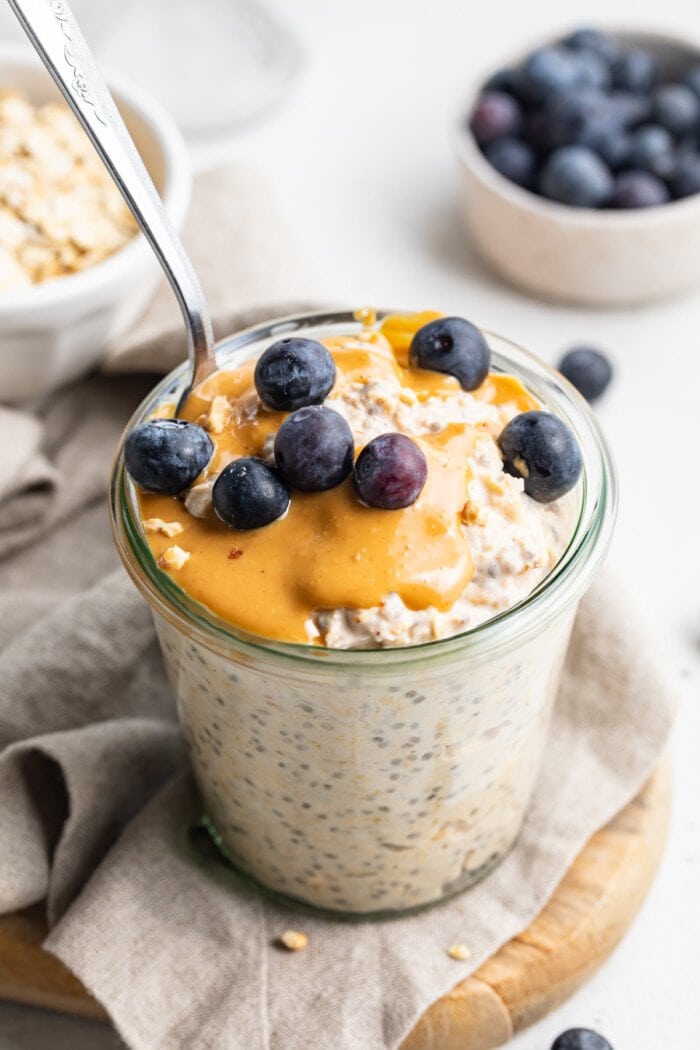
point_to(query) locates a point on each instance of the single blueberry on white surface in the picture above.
(581, 1039)
(588, 370)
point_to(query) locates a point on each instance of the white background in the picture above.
(360, 162)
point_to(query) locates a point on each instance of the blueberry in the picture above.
(595, 71)
(314, 449)
(588, 370)
(537, 131)
(604, 132)
(551, 70)
(635, 70)
(629, 109)
(577, 176)
(586, 118)
(542, 450)
(293, 373)
(514, 159)
(593, 40)
(685, 178)
(494, 116)
(612, 144)
(508, 81)
(454, 346)
(651, 149)
(639, 189)
(580, 1039)
(390, 472)
(502, 80)
(692, 79)
(570, 117)
(249, 493)
(676, 108)
(166, 455)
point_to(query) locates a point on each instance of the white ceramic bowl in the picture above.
(53, 332)
(579, 255)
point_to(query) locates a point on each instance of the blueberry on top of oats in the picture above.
(454, 346)
(249, 493)
(314, 449)
(293, 373)
(541, 449)
(166, 455)
(390, 472)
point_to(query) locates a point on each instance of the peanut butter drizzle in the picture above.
(330, 551)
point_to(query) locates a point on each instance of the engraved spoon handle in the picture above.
(55, 35)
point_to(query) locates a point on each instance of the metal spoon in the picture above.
(55, 35)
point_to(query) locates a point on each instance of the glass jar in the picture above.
(373, 781)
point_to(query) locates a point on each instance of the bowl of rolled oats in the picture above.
(75, 272)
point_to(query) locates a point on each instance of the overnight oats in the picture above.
(364, 540)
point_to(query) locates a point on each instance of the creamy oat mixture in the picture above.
(59, 210)
(513, 540)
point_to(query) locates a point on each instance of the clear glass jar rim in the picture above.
(563, 585)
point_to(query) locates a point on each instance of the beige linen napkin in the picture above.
(99, 815)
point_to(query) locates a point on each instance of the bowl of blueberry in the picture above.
(580, 167)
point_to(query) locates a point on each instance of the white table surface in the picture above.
(360, 162)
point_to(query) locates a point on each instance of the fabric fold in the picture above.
(28, 481)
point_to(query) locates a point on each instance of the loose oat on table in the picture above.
(59, 210)
(460, 952)
(293, 940)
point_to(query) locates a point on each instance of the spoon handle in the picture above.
(55, 35)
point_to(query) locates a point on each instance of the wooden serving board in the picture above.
(585, 919)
